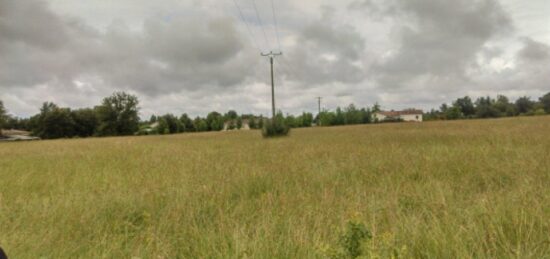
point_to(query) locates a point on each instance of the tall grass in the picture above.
(461, 189)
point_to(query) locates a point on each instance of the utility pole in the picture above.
(271, 56)
(319, 102)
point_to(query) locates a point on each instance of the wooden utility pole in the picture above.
(319, 103)
(271, 56)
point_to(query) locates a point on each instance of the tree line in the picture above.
(487, 107)
(117, 115)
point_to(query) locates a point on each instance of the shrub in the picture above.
(275, 127)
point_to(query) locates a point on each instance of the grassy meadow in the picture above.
(456, 189)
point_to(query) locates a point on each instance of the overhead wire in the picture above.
(276, 26)
(254, 42)
(261, 23)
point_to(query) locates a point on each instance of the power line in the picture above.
(276, 26)
(260, 22)
(247, 26)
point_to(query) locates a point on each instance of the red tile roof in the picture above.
(403, 112)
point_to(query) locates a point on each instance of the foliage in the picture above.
(275, 127)
(85, 122)
(54, 122)
(186, 123)
(215, 121)
(3, 116)
(524, 105)
(118, 115)
(239, 122)
(465, 107)
(545, 102)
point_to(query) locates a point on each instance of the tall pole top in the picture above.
(272, 54)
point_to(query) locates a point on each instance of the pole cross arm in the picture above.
(272, 54)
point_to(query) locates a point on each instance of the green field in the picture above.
(460, 189)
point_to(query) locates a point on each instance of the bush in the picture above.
(276, 127)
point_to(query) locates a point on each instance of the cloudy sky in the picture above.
(196, 56)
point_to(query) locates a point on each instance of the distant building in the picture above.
(232, 125)
(404, 115)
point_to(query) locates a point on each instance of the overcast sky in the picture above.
(196, 56)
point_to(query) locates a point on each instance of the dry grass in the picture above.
(462, 189)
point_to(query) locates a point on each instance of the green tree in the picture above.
(85, 121)
(252, 122)
(2, 116)
(153, 119)
(366, 115)
(54, 122)
(306, 119)
(261, 122)
(545, 102)
(275, 127)
(200, 124)
(524, 105)
(214, 121)
(465, 105)
(504, 107)
(118, 115)
(187, 123)
(485, 108)
(327, 118)
(231, 115)
(352, 115)
(163, 127)
(173, 124)
(239, 122)
(454, 113)
(290, 121)
(376, 108)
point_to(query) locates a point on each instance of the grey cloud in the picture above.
(437, 39)
(534, 51)
(328, 52)
(184, 53)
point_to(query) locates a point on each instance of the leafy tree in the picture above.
(163, 127)
(214, 121)
(2, 116)
(327, 118)
(187, 123)
(453, 113)
(545, 102)
(340, 118)
(231, 115)
(376, 108)
(239, 122)
(200, 124)
(485, 108)
(290, 121)
(153, 119)
(172, 123)
(352, 115)
(261, 122)
(307, 119)
(366, 115)
(504, 107)
(275, 127)
(118, 115)
(85, 121)
(54, 122)
(252, 123)
(465, 105)
(524, 105)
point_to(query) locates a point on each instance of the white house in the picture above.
(405, 115)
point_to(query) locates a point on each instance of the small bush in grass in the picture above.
(276, 127)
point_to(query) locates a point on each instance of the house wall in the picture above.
(411, 117)
(379, 117)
